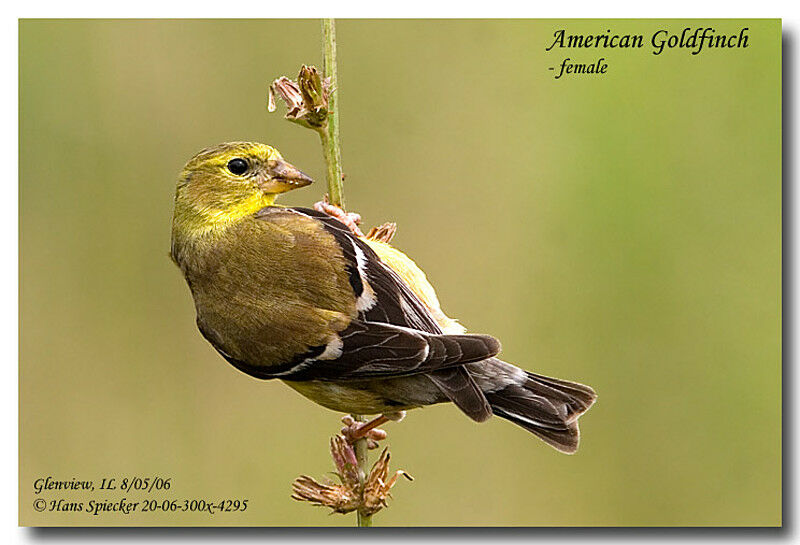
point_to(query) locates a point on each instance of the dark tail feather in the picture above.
(547, 407)
(457, 384)
(576, 397)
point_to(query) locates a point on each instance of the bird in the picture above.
(349, 321)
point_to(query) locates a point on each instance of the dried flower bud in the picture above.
(288, 91)
(384, 233)
(344, 458)
(306, 100)
(340, 499)
(315, 94)
(377, 487)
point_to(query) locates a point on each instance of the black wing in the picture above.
(394, 302)
(372, 350)
(394, 334)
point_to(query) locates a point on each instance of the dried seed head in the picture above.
(341, 498)
(350, 494)
(306, 100)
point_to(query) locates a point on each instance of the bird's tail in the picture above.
(547, 407)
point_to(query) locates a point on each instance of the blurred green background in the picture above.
(622, 230)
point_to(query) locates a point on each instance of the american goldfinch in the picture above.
(349, 322)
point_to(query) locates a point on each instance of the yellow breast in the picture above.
(417, 281)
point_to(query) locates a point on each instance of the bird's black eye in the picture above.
(237, 166)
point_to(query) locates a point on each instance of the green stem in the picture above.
(330, 133)
(360, 447)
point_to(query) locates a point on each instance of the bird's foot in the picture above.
(354, 431)
(350, 219)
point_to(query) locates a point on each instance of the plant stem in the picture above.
(330, 133)
(360, 447)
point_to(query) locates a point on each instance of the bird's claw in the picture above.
(350, 219)
(353, 431)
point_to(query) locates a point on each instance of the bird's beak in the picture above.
(283, 177)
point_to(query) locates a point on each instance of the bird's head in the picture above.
(226, 182)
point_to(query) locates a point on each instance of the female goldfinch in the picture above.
(350, 323)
